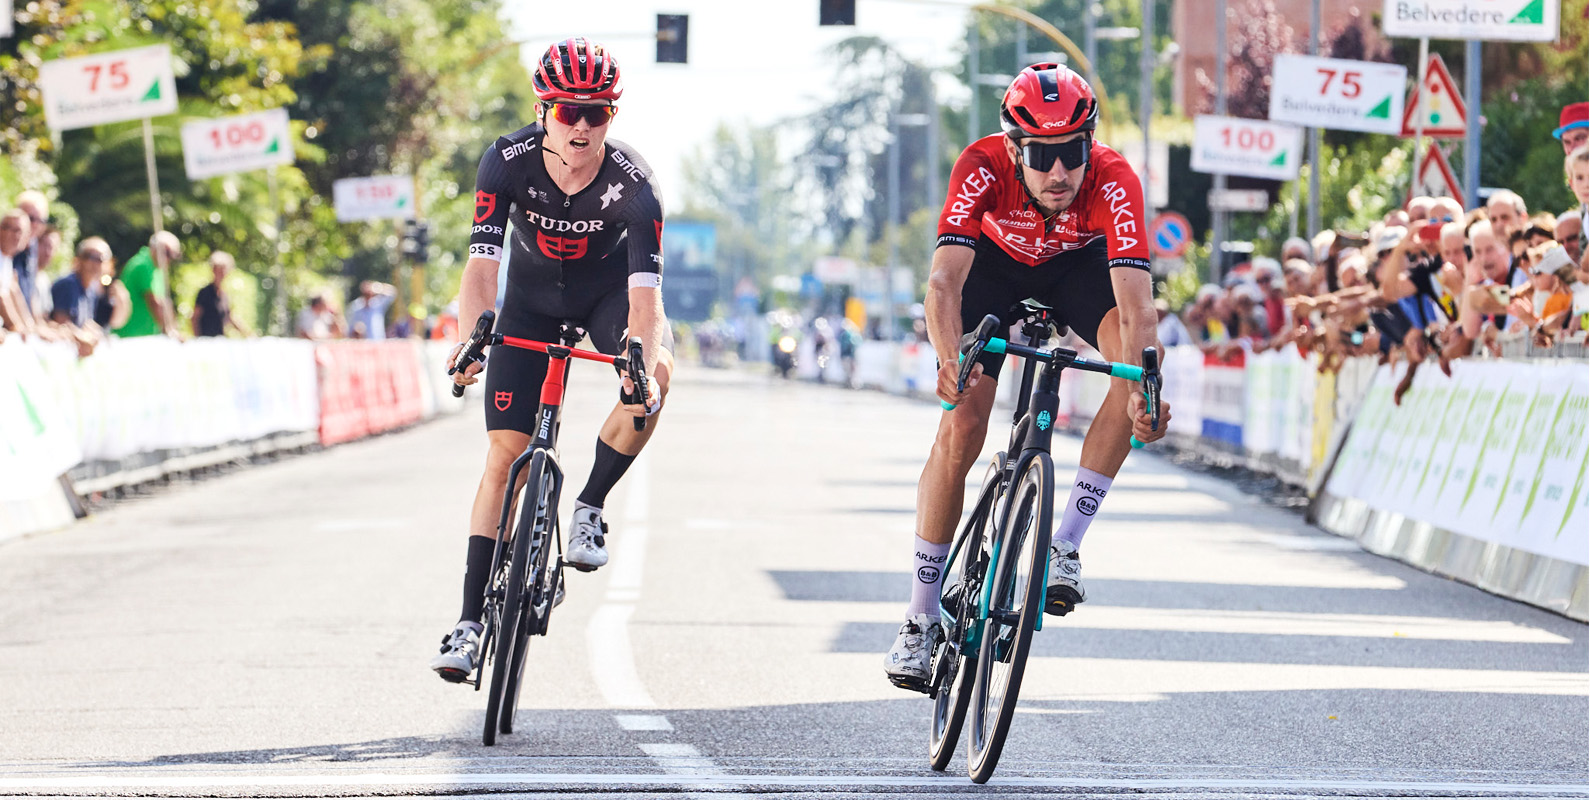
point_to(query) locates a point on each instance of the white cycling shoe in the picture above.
(1065, 580)
(909, 661)
(460, 653)
(588, 542)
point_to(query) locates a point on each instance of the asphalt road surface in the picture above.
(267, 633)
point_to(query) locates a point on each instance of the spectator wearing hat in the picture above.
(1542, 305)
(1572, 128)
(144, 275)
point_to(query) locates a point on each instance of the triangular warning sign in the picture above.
(153, 93)
(1445, 115)
(1435, 178)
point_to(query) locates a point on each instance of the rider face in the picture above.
(580, 143)
(1056, 188)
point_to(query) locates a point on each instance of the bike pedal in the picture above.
(913, 684)
(1062, 601)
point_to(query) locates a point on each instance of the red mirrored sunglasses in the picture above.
(571, 113)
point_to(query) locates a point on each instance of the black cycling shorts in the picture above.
(514, 375)
(1075, 284)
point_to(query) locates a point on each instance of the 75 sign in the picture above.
(108, 87)
(1337, 93)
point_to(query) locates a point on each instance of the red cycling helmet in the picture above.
(1048, 100)
(577, 69)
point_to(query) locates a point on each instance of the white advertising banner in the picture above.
(1338, 93)
(212, 147)
(377, 197)
(1497, 452)
(1252, 147)
(108, 87)
(37, 444)
(1499, 20)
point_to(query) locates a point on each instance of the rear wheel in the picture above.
(1019, 570)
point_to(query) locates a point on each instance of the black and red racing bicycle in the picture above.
(527, 565)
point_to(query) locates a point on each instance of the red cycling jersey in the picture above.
(986, 197)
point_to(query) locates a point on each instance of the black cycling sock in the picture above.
(477, 572)
(609, 467)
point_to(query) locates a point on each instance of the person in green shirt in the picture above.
(145, 278)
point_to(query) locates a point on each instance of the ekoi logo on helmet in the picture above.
(561, 247)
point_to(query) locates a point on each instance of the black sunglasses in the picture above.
(1041, 156)
(571, 113)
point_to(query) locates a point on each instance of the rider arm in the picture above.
(643, 220)
(477, 292)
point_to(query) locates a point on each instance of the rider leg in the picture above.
(941, 493)
(1107, 443)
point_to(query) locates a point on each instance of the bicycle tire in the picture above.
(508, 627)
(1023, 543)
(949, 706)
(535, 526)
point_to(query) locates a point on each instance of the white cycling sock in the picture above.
(1087, 494)
(927, 575)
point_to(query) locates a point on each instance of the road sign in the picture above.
(1446, 117)
(1337, 93)
(1238, 200)
(1256, 148)
(1169, 235)
(1435, 177)
(242, 143)
(1507, 20)
(109, 87)
(377, 197)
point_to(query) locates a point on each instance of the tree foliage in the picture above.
(373, 87)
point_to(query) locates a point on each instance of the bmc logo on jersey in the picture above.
(561, 247)
(485, 204)
(504, 400)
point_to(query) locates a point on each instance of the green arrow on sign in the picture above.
(1280, 160)
(153, 93)
(276, 146)
(402, 201)
(1382, 111)
(1532, 14)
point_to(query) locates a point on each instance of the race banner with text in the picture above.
(1497, 452)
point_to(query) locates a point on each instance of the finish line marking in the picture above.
(707, 780)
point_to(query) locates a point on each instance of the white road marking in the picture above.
(681, 759)
(612, 660)
(767, 782)
(643, 722)
(607, 635)
(1260, 623)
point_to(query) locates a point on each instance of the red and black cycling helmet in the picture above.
(1048, 100)
(577, 69)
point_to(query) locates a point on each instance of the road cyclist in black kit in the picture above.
(584, 218)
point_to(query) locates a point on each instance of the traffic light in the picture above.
(417, 241)
(836, 12)
(673, 38)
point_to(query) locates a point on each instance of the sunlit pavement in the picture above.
(267, 632)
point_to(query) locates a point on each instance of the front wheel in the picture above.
(965, 567)
(535, 528)
(1018, 569)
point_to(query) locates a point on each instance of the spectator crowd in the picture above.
(93, 297)
(1430, 281)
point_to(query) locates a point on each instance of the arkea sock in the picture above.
(610, 465)
(1087, 494)
(477, 571)
(927, 576)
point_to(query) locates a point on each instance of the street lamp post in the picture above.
(891, 229)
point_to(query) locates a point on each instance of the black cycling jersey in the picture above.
(567, 249)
